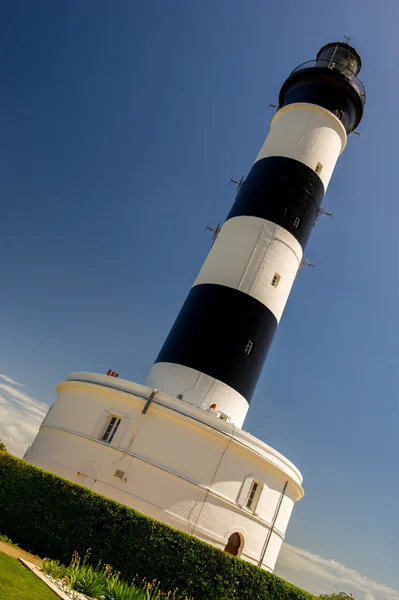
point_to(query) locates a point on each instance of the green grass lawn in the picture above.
(17, 583)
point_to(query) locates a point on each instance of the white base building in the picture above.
(172, 461)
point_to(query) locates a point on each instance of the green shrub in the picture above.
(53, 517)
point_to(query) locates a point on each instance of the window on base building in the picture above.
(297, 222)
(319, 167)
(253, 496)
(112, 425)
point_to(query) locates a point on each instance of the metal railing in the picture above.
(335, 66)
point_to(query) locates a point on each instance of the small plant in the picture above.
(89, 581)
(120, 590)
(54, 569)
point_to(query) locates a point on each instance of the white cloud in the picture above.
(5, 378)
(322, 576)
(20, 416)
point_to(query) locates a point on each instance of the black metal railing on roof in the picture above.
(335, 66)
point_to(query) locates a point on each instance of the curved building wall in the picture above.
(176, 463)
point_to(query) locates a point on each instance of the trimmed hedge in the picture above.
(53, 517)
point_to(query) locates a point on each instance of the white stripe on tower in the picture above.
(255, 255)
(199, 389)
(307, 133)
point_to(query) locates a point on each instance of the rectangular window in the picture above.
(297, 222)
(253, 495)
(248, 348)
(111, 428)
(276, 280)
(319, 167)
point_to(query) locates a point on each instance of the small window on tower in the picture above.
(297, 222)
(249, 348)
(276, 280)
(319, 167)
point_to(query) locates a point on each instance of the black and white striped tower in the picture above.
(216, 349)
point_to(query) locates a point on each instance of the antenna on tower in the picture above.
(238, 183)
(215, 232)
(348, 38)
(322, 213)
(305, 262)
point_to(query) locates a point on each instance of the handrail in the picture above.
(335, 66)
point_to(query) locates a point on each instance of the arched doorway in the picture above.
(233, 544)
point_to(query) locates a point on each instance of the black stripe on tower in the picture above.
(326, 92)
(224, 333)
(281, 190)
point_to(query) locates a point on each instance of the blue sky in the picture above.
(121, 124)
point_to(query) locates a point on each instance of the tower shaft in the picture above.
(216, 349)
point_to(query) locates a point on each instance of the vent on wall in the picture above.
(223, 416)
(120, 474)
(218, 413)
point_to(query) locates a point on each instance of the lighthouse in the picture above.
(174, 448)
(217, 347)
